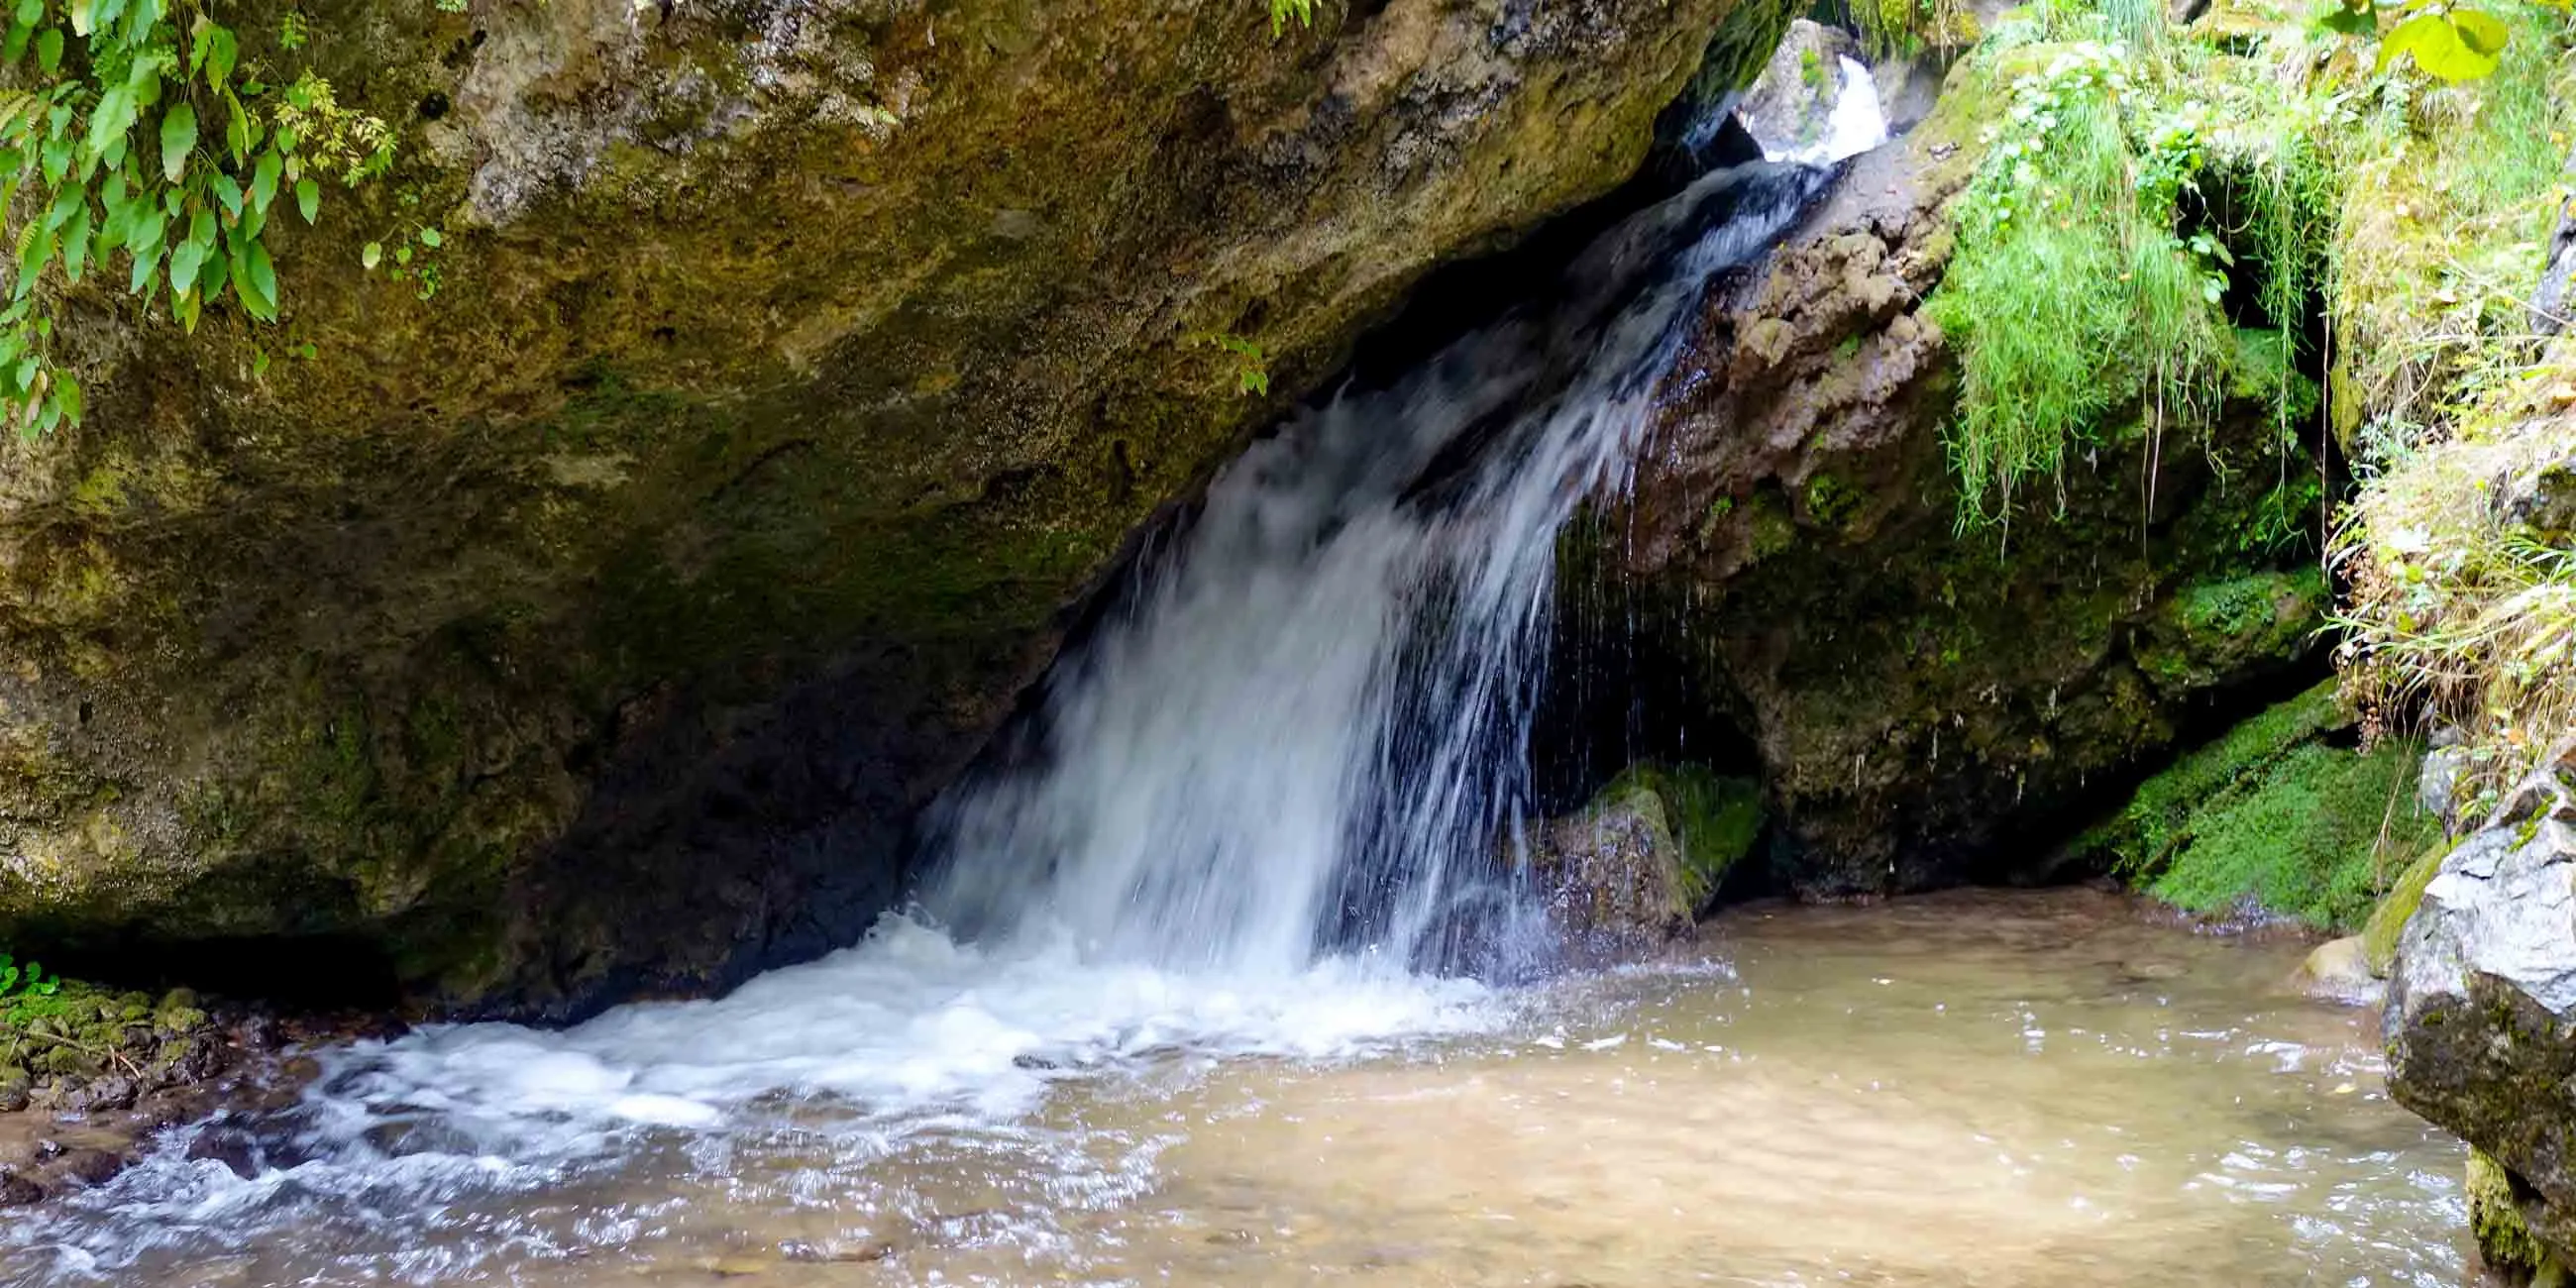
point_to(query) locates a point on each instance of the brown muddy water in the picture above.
(2036, 1088)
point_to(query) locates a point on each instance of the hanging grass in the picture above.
(2070, 294)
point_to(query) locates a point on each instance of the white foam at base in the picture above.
(905, 1024)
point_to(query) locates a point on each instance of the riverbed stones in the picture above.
(2481, 1019)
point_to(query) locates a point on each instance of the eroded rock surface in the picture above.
(2482, 1004)
(1611, 876)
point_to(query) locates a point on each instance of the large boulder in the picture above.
(597, 622)
(2481, 1018)
(1914, 694)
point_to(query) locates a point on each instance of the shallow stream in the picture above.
(1966, 1089)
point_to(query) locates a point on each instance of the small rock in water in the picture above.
(2339, 970)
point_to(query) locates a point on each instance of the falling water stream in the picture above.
(1226, 980)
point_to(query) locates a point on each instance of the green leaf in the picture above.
(221, 53)
(16, 43)
(76, 244)
(228, 192)
(55, 158)
(79, 15)
(308, 199)
(2481, 32)
(65, 202)
(429, 237)
(373, 255)
(68, 391)
(187, 259)
(32, 257)
(147, 259)
(29, 12)
(263, 179)
(2437, 47)
(178, 139)
(49, 49)
(237, 131)
(109, 120)
(256, 283)
(25, 375)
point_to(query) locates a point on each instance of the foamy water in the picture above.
(1857, 123)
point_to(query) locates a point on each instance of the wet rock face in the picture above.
(597, 626)
(1611, 877)
(2482, 1004)
(1919, 694)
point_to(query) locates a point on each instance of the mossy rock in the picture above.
(1715, 819)
(2270, 818)
(2388, 920)
(2504, 1238)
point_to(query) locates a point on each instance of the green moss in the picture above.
(2315, 838)
(1715, 819)
(82, 1031)
(1830, 501)
(2139, 842)
(2495, 1217)
(2388, 921)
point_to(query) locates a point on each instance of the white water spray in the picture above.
(1856, 124)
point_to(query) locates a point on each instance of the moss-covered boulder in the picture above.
(597, 623)
(1917, 695)
(2278, 817)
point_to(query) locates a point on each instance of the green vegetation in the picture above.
(1715, 820)
(2388, 921)
(54, 1026)
(145, 127)
(2504, 1239)
(1283, 10)
(2113, 204)
(2273, 819)
(2316, 837)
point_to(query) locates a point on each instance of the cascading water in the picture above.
(1309, 732)
(1267, 817)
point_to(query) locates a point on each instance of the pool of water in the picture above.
(2034, 1088)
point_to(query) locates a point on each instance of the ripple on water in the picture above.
(1969, 1089)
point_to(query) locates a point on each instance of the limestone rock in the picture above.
(2339, 969)
(1788, 549)
(2482, 1010)
(2437, 784)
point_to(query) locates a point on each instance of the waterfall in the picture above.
(1307, 732)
